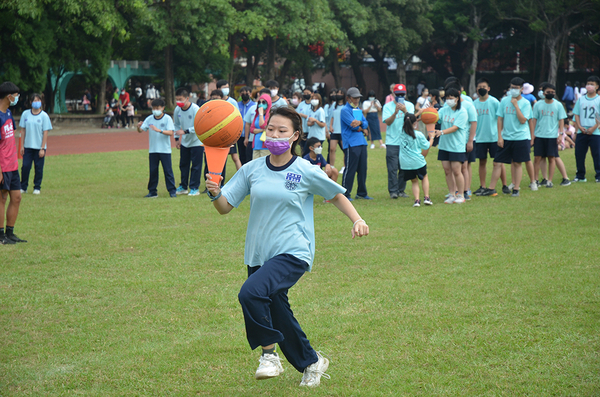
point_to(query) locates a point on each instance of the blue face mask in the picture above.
(157, 113)
(13, 103)
(36, 104)
(263, 106)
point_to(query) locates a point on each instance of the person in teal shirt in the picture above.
(190, 148)
(514, 134)
(280, 243)
(486, 134)
(393, 116)
(587, 120)
(548, 117)
(160, 127)
(413, 149)
(454, 124)
(35, 124)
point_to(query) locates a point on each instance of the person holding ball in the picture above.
(280, 243)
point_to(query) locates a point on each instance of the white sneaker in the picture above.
(342, 170)
(269, 367)
(427, 201)
(372, 146)
(511, 186)
(449, 200)
(312, 373)
(459, 200)
(36, 191)
(23, 191)
(533, 186)
(382, 146)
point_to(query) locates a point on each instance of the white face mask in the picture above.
(372, 98)
(157, 113)
(514, 92)
(314, 102)
(318, 150)
(295, 101)
(591, 89)
(541, 94)
(274, 93)
(225, 91)
(451, 102)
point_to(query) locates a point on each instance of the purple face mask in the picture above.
(277, 146)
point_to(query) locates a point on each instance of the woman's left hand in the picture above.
(360, 229)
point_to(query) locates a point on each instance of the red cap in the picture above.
(399, 89)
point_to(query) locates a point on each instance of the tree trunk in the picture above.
(552, 43)
(101, 97)
(400, 72)
(474, 55)
(49, 93)
(249, 70)
(335, 67)
(232, 58)
(382, 68)
(284, 71)
(169, 78)
(270, 66)
(307, 73)
(360, 80)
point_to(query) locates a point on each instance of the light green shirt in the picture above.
(392, 133)
(455, 142)
(547, 116)
(513, 129)
(487, 121)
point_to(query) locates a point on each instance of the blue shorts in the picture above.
(409, 175)
(11, 181)
(483, 149)
(471, 158)
(514, 151)
(545, 147)
(444, 155)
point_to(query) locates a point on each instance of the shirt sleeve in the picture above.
(561, 111)
(422, 141)
(347, 118)
(321, 184)
(472, 114)
(462, 119)
(500, 112)
(387, 112)
(237, 188)
(321, 115)
(170, 126)
(366, 105)
(146, 124)
(23, 120)
(322, 160)
(176, 123)
(526, 110)
(536, 112)
(576, 107)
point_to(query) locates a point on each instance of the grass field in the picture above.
(116, 295)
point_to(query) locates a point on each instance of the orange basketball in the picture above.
(430, 116)
(218, 123)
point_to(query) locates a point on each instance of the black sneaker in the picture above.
(505, 189)
(565, 182)
(150, 195)
(544, 182)
(6, 241)
(403, 195)
(479, 191)
(489, 192)
(14, 238)
(515, 193)
(205, 191)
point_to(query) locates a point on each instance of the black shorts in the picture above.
(545, 147)
(11, 181)
(517, 151)
(483, 149)
(409, 175)
(336, 137)
(232, 150)
(471, 157)
(444, 155)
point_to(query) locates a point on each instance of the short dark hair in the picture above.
(312, 141)
(265, 91)
(517, 81)
(451, 79)
(435, 94)
(246, 88)
(8, 88)
(548, 85)
(158, 102)
(217, 92)
(182, 92)
(272, 83)
(483, 80)
(453, 85)
(221, 83)
(291, 114)
(593, 79)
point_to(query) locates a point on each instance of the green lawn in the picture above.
(116, 295)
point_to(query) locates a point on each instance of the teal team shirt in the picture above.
(159, 143)
(467, 104)
(392, 133)
(35, 125)
(513, 129)
(184, 120)
(455, 142)
(588, 109)
(304, 108)
(487, 121)
(314, 131)
(411, 157)
(281, 207)
(466, 98)
(337, 120)
(547, 116)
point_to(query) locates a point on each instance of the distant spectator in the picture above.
(527, 93)
(391, 97)
(420, 87)
(371, 109)
(276, 100)
(568, 96)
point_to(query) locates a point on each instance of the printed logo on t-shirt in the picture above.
(510, 110)
(190, 117)
(292, 180)
(483, 112)
(7, 129)
(547, 112)
(448, 119)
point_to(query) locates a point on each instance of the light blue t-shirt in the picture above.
(159, 143)
(411, 157)
(392, 133)
(304, 108)
(249, 118)
(337, 120)
(487, 121)
(184, 120)
(588, 109)
(456, 141)
(547, 116)
(279, 104)
(513, 129)
(466, 98)
(35, 125)
(314, 130)
(281, 207)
